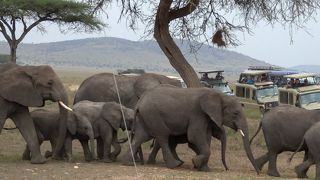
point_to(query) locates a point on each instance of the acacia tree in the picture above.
(19, 17)
(207, 20)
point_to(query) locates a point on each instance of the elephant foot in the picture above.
(300, 173)
(259, 163)
(48, 154)
(38, 160)
(113, 157)
(107, 160)
(151, 161)
(273, 173)
(199, 164)
(88, 159)
(26, 156)
(173, 164)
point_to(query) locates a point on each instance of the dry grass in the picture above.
(12, 146)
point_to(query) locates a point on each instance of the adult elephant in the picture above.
(283, 129)
(167, 111)
(101, 87)
(30, 86)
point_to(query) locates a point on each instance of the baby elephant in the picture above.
(105, 118)
(311, 141)
(47, 128)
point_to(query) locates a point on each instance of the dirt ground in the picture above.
(12, 167)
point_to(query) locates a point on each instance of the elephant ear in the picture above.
(145, 82)
(72, 123)
(111, 113)
(17, 85)
(212, 104)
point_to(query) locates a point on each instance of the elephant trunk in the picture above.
(223, 140)
(62, 125)
(93, 149)
(246, 143)
(92, 145)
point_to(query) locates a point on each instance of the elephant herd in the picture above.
(153, 107)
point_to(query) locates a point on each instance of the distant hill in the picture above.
(307, 68)
(115, 53)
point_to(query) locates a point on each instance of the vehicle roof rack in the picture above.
(216, 71)
(264, 68)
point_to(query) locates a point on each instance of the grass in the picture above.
(12, 146)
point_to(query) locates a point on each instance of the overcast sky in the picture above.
(268, 44)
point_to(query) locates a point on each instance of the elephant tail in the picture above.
(152, 144)
(9, 128)
(259, 128)
(297, 150)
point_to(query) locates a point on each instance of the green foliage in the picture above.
(59, 11)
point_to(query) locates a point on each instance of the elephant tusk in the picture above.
(241, 132)
(65, 106)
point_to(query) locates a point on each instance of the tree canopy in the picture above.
(19, 17)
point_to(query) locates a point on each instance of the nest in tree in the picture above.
(218, 38)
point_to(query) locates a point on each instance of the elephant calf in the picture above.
(312, 141)
(47, 128)
(105, 118)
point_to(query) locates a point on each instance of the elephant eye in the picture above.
(50, 82)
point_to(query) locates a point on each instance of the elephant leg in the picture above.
(68, 147)
(154, 152)
(262, 160)
(171, 161)
(318, 171)
(26, 154)
(302, 168)
(107, 140)
(173, 147)
(26, 127)
(272, 167)
(116, 146)
(100, 148)
(201, 141)
(140, 137)
(86, 150)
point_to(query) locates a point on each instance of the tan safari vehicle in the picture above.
(255, 90)
(302, 91)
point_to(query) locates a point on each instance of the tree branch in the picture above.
(4, 32)
(184, 11)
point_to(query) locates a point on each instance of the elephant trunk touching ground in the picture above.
(62, 99)
(246, 144)
(92, 144)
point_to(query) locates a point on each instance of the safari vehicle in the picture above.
(302, 91)
(215, 81)
(255, 90)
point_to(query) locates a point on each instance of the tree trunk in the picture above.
(13, 52)
(169, 47)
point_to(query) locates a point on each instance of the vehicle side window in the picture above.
(247, 93)
(254, 97)
(240, 91)
(291, 98)
(283, 97)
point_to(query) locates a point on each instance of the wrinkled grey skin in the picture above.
(101, 87)
(47, 128)
(168, 111)
(311, 141)
(29, 86)
(105, 118)
(175, 140)
(283, 129)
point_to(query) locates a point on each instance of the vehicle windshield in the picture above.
(306, 99)
(267, 92)
(222, 87)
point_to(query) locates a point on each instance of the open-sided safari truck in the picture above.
(215, 80)
(301, 90)
(255, 90)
